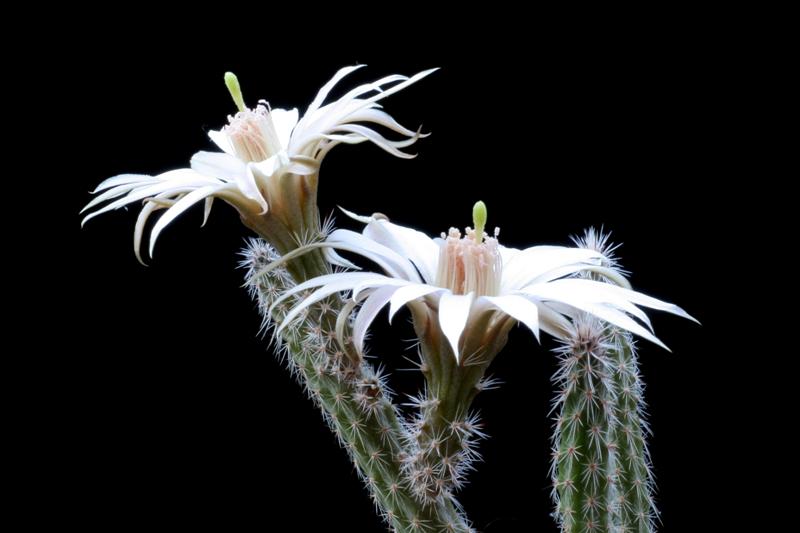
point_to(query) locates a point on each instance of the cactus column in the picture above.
(601, 475)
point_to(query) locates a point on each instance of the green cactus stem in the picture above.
(353, 399)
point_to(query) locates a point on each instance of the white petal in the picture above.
(284, 122)
(174, 181)
(117, 191)
(393, 263)
(229, 169)
(207, 209)
(579, 300)
(141, 220)
(222, 140)
(352, 278)
(381, 118)
(372, 136)
(320, 294)
(553, 322)
(124, 179)
(323, 92)
(366, 315)
(361, 218)
(520, 309)
(372, 283)
(410, 292)
(218, 165)
(407, 242)
(613, 295)
(400, 86)
(180, 206)
(529, 264)
(453, 314)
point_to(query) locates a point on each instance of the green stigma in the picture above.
(479, 220)
(232, 83)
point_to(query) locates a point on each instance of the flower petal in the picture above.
(410, 292)
(229, 169)
(415, 245)
(366, 315)
(393, 263)
(124, 179)
(222, 140)
(520, 309)
(453, 314)
(528, 265)
(284, 122)
(605, 311)
(175, 181)
(180, 206)
(320, 294)
(351, 278)
(326, 89)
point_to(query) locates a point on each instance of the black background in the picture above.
(164, 407)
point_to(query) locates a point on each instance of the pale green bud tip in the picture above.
(479, 220)
(232, 83)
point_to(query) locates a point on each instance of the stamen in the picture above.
(471, 263)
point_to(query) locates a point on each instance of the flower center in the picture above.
(471, 263)
(251, 131)
(253, 134)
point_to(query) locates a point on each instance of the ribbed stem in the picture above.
(444, 429)
(633, 473)
(601, 476)
(582, 451)
(355, 403)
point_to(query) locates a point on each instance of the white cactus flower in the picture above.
(269, 160)
(460, 279)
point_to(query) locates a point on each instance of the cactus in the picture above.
(633, 474)
(354, 401)
(444, 429)
(601, 475)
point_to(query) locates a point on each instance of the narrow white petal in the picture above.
(520, 309)
(207, 210)
(326, 89)
(124, 179)
(180, 206)
(374, 137)
(229, 169)
(320, 294)
(361, 218)
(366, 315)
(141, 221)
(613, 295)
(407, 242)
(604, 311)
(218, 165)
(453, 314)
(381, 118)
(372, 283)
(408, 293)
(222, 140)
(400, 86)
(117, 191)
(395, 265)
(284, 122)
(352, 278)
(175, 181)
(529, 264)
(553, 322)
